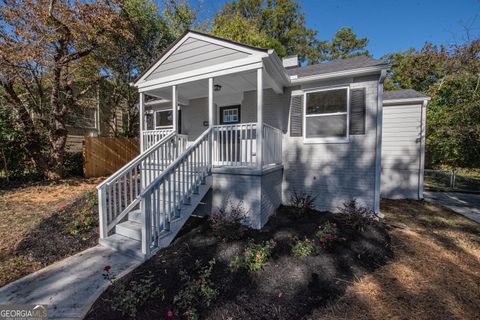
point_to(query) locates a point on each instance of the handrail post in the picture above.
(102, 208)
(146, 228)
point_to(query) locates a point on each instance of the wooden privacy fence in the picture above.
(103, 156)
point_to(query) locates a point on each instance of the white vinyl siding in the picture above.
(195, 54)
(401, 141)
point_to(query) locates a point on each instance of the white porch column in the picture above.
(141, 118)
(259, 118)
(210, 118)
(175, 108)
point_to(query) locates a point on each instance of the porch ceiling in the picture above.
(231, 84)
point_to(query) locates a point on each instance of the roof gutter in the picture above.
(406, 100)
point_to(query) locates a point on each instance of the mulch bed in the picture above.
(287, 288)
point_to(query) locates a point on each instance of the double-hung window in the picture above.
(326, 115)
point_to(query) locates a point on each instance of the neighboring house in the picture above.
(248, 127)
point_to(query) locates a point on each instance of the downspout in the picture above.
(378, 147)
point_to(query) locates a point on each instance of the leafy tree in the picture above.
(345, 44)
(277, 24)
(43, 47)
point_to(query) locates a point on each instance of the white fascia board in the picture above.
(203, 73)
(227, 44)
(294, 80)
(405, 101)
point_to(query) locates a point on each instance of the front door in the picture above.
(231, 137)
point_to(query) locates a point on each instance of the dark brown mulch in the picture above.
(53, 239)
(287, 288)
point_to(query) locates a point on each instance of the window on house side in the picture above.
(163, 119)
(326, 115)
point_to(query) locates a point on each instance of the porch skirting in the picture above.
(259, 192)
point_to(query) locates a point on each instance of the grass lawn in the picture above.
(45, 222)
(423, 263)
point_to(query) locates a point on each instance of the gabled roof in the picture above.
(403, 94)
(169, 50)
(336, 66)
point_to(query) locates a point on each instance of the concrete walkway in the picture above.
(463, 203)
(70, 286)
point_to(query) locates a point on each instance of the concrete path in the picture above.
(463, 203)
(70, 286)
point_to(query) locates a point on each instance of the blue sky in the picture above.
(389, 25)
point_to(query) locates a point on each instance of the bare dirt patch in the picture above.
(435, 273)
(35, 225)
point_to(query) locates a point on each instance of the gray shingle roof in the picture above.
(402, 94)
(336, 65)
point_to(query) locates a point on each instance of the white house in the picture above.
(223, 120)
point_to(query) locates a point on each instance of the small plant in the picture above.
(127, 300)
(327, 234)
(106, 273)
(227, 221)
(357, 216)
(91, 198)
(254, 256)
(80, 222)
(304, 202)
(304, 248)
(198, 290)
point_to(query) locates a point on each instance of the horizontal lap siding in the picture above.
(334, 172)
(401, 151)
(195, 54)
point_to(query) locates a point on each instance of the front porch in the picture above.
(230, 105)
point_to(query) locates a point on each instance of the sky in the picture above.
(389, 25)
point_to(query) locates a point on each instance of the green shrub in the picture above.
(227, 221)
(357, 216)
(304, 248)
(198, 290)
(127, 300)
(327, 234)
(303, 201)
(254, 256)
(73, 164)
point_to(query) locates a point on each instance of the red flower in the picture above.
(199, 281)
(322, 240)
(334, 225)
(169, 314)
(107, 268)
(329, 236)
(63, 207)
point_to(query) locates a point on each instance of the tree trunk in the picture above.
(5, 166)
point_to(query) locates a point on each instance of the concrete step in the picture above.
(135, 216)
(130, 229)
(127, 246)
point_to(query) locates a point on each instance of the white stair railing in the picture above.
(119, 194)
(162, 200)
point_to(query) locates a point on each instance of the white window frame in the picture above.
(344, 139)
(237, 109)
(155, 120)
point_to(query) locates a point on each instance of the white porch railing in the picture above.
(161, 201)
(235, 145)
(119, 194)
(272, 145)
(150, 137)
